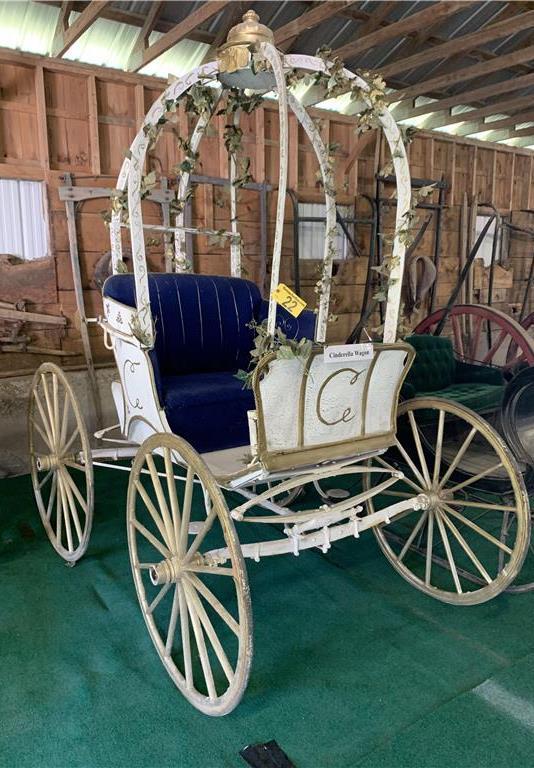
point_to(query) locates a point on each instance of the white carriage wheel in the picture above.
(197, 610)
(60, 462)
(469, 543)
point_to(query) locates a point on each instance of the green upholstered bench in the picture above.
(436, 372)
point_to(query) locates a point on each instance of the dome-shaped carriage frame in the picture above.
(131, 173)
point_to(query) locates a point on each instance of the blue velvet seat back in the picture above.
(201, 322)
(301, 327)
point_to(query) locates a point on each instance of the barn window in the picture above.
(312, 231)
(23, 219)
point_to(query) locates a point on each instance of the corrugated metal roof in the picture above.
(30, 26)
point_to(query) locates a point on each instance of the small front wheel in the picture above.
(189, 573)
(60, 462)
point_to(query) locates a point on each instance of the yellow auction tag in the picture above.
(288, 299)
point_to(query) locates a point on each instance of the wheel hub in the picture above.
(172, 569)
(52, 461)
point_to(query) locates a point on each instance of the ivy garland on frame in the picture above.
(201, 99)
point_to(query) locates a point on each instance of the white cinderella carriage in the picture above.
(211, 457)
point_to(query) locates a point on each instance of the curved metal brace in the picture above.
(130, 177)
(180, 253)
(331, 224)
(402, 173)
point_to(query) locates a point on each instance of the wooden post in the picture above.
(94, 142)
(80, 304)
(42, 128)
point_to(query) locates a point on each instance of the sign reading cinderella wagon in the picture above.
(210, 456)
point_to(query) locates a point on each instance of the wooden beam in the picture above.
(476, 94)
(309, 20)
(112, 13)
(416, 21)
(461, 75)
(141, 42)
(463, 44)
(231, 17)
(62, 24)
(81, 25)
(490, 109)
(376, 18)
(507, 122)
(180, 31)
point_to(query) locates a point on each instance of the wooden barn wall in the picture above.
(58, 117)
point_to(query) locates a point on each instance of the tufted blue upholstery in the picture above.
(201, 339)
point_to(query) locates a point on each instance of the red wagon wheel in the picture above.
(483, 335)
(527, 323)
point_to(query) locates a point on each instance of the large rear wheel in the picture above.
(469, 544)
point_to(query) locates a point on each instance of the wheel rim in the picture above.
(484, 335)
(197, 609)
(60, 462)
(470, 541)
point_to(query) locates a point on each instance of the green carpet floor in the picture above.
(352, 666)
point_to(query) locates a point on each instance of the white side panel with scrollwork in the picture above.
(305, 405)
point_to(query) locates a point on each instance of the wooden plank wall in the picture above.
(58, 117)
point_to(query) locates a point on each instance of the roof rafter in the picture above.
(491, 109)
(461, 44)
(177, 33)
(141, 42)
(416, 21)
(466, 97)
(230, 18)
(309, 20)
(463, 74)
(66, 36)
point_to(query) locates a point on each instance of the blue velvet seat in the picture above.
(202, 339)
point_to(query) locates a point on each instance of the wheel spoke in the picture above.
(48, 440)
(75, 490)
(173, 620)
(59, 510)
(457, 333)
(167, 522)
(51, 415)
(64, 422)
(44, 438)
(475, 478)
(186, 640)
(45, 479)
(210, 632)
(439, 445)
(201, 647)
(72, 505)
(476, 528)
(75, 465)
(457, 459)
(448, 551)
(201, 535)
(475, 338)
(154, 515)
(186, 511)
(411, 464)
(159, 597)
(429, 545)
(71, 440)
(55, 401)
(171, 487)
(491, 352)
(406, 480)
(419, 447)
(413, 534)
(51, 499)
(152, 539)
(481, 505)
(465, 546)
(217, 606)
(212, 570)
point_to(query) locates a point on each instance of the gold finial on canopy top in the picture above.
(248, 32)
(234, 54)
